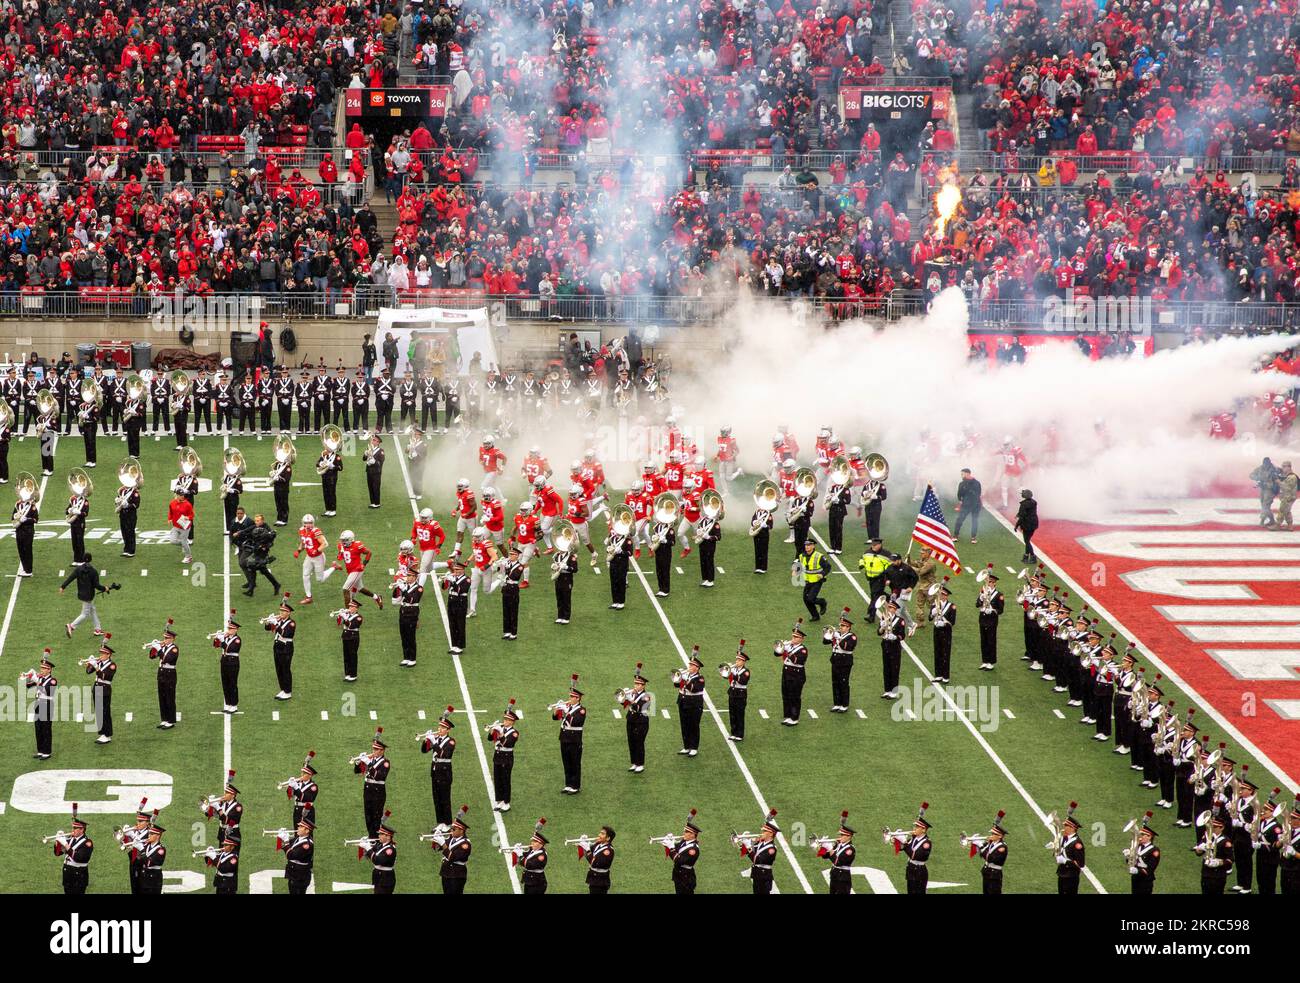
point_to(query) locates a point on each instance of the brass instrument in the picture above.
(207, 802)
(622, 521)
(60, 835)
(234, 466)
(563, 537)
(1130, 851)
(624, 695)
(281, 833)
(767, 496)
(337, 614)
(516, 848)
(189, 462)
(29, 496)
(877, 467)
(180, 383)
(438, 836)
(557, 706)
(216, 634)
(130, 476)
(135, 392)
(288, 783)
(839, 476)
(822, 843)
(7, 415)
(46, 408)
(665, 513)
(364, 842)
(1058, 832)
(805, 486)
(80, 485)
(975, 840)
(712, 509)
(668, 839)
(890, 835)
(285, 454)
(91, 393)
(331, 438)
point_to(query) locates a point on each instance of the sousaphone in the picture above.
(564, 536)
(189, 462)
(877, 467)
(622, 520)
(711, 505)
(767, 496)
(665, 510)
(130, 474)
(805, 482)
(79, 482)
(331, 438)
(233, 463)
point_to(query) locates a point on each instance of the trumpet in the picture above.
(557, 705)
(426, 736)
(364, 842)
(150, 646)
(822, 843)
(60, 835)
(281, 833)
(361, 759)
(339, 613)
(288, 783)
(216, 634)
(438, 836)
(624, 695)
(514, 848)
(890, 835)
(745, 839)
(207, 851)
(668, 839)
(270, 619)
(583, 841)
(677, 676)
(975, 840)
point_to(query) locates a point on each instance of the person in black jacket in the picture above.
(970, 503)
(255, 544)
(88, 587)
(1027, 524)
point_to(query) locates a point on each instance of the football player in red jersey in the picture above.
(653, 481)
(406, 560)
(592, 475)
(727, 454)
(312, 542)
(493, 517)
(535, 466)
(483, 560)
(527, 527)
(428, 537)
(578, 512)
(353, 558)
(690, 513)
(465, 512)
(547, 501)
(492, 459)
(674, 474)
(1011, 464)
(640, 503)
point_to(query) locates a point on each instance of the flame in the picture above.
(946, 202)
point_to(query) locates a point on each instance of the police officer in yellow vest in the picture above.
(813, 564)
(874, 563)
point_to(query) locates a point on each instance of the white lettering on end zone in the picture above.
(1192, 545)
(1260, 665)
(1208, 583)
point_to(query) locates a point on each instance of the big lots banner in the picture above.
(1209, 595)
(879, 102)
(416, 102)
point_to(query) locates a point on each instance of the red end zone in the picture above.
(1212, 598)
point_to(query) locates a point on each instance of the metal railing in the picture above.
(1114, 162)
(170, 311)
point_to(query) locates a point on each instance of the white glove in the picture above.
(1132, 870)
(1062, 858)
(670, 842)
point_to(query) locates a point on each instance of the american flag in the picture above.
(931, 530)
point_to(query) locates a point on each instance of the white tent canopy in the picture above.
(465, 332)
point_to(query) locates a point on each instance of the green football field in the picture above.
(1016, 746)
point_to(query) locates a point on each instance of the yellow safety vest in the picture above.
(874, 564)
(811, 563)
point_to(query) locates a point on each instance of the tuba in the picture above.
(1058, 832)
(190, 462)
(767, 496)
(233, 464)
(91, 394)
(135, 387)
(28, 492)
(286, 452)
(622, 520)
(47, 407)
(877, 467)
(805, 486)
(665, 513)
(79, 482)
(711, 511)
(7, 415)
(563, 537)
(331, 438)
(839, 476)
(180, 383)
(130, 477)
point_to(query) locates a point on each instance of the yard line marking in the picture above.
(324, 715)
(420, 714)
(617, 715)
(504, 837)
(947, 698)
(13, 596)
(861, 715)
(225, 600)
(812, 713)
(681, 571)
(720, 570)
(129, 716)
(275, 715)
(62, 574)
(374, 715)
(1058, 713)
(762, 713)
(1010, 715)
(665, 713)
(717, 719)
(143, 572)
(1206, 706)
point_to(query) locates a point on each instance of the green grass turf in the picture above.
(879, 768)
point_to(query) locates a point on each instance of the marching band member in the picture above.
(1289, 847)
(427, 534)
(1142, 865)
(917, 847)
(103, 668)
(153, 857)
(132, 840)
(685, 854)
(302, 792)
(47, 432)
(374, 766)
(88, 424)
(762, 854)
(872, 498)
(1070, 855)
(618, 554)
(891, 629)
(794, 660)
(989, 605)
(838, 498)
(760, 530)
(300, 852)
(511, 579)
(504, 736)
(429, 390)
(407, 594)
(841, 854)
(572, 716)
(225, 808)
(78, 510)
(232, 485)
(599, 855)
(329, 465)
(563, 569)
(224, 395)
(993, 853)
(76, 849)
(799, 514)
(690, 702)
(636, 703)
(224, 861)
(1217, 853)
(313, 543)
(349, 621)
(456, 584)
(382, 854)
(943, 617)
(228, 642)
(359, 390)
(407, 394)
(737, 675)
(662, 539)
(374, 462)
(843, 642)
(284, 393)
(455, 849)
(1267, 839)
(1241, 815)
(441, 745)
(533, 860)
(43, 682)
(353, 558)
(168, 655)
(1185, 760)
(283, 627)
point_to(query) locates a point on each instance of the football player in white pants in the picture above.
(312, 566)
(480, 576)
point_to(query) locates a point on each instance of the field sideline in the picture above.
(1010, 751)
